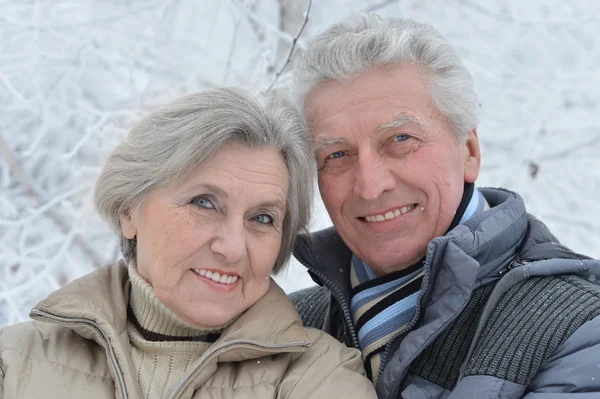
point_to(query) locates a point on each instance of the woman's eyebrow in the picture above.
(207, 187)
(272, 204)
(219, 192)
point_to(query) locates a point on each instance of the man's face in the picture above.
(391, 171)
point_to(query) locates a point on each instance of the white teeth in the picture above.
(217, 277)
(389, 215)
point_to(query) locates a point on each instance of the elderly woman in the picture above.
(207, 195)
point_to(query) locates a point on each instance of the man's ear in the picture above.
(128, 228)
(473, 158)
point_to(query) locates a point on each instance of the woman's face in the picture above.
(207, 245)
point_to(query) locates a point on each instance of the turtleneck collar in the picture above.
(155, 321)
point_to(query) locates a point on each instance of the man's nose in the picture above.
(372, 176)
(229, 243)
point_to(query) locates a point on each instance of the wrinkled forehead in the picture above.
(398, 78)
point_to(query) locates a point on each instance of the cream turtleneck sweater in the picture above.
(163, 346)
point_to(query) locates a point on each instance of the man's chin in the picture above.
(390, 269)
(384, 260)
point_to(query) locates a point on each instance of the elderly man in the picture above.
(449, 290)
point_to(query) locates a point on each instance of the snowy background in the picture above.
(75, 75)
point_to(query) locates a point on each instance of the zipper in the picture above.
(337, 293)
(240, 343)
(512, 265)
(96, 328)
(417, 315)
(518, 263)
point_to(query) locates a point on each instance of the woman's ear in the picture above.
(128, 226)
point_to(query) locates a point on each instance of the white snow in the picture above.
(74, 76)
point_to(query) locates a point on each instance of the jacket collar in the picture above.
(476, 253)
(95, 307)
(100, 296)
(272, 322)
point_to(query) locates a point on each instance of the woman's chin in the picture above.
(210, 321)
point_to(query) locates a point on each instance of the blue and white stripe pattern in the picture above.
(477, 204)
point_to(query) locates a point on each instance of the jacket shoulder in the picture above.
(328, 369)
(52, 346)
(529, 323)
(321, 342)
(28, 336)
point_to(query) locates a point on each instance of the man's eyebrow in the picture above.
(400, 120)
(322, 143)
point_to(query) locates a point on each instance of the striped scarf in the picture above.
(383, 306)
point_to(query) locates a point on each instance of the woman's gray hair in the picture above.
(364, 41)
(173, 141)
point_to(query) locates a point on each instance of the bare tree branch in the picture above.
(572, 150)
(379, 6)
(270, 28)
(487, 12)
(231, 50)
(294, 41)
(8, 155)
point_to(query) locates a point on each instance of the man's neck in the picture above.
(468, 194)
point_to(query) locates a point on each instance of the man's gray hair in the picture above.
(163, 148)
(365, 41)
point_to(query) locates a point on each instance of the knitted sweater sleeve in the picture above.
(540, 342)
(311, 303)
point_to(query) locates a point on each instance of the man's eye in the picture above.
(336, 155)
(401, 137)
(263, 219)
(203, 202)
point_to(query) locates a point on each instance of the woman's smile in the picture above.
(218, 282)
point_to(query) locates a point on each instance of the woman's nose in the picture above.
(229, 243)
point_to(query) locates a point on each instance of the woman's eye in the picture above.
(203, 203)
(401, 137)
(336, 155)
(263, 219)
